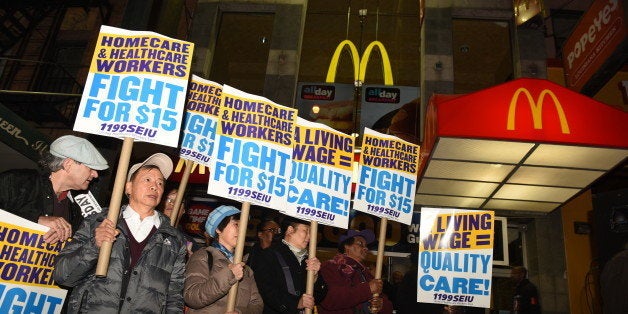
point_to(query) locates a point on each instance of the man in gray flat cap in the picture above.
(57, 196)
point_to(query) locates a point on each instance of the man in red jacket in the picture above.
(351, 286)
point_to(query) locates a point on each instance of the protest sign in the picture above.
(320, 184)
(455, 257)
(387, 177)
(136, 86)
(135, 90)
(251, 160)
(199, 132)
(201, 119)
(26, 265)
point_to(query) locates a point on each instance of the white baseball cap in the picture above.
(161, 160)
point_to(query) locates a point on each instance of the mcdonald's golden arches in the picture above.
(360, 63)
(537, 109)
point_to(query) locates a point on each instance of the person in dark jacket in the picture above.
(57, 196)
(526, 298)
(146, 268)
(614, 280)
(281, 271)
(407, 292)
(267, 231)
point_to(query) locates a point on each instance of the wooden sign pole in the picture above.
(114, 205)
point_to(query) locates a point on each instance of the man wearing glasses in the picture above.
(281, 271)
(267, 231)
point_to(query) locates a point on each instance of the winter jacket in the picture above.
(272, 284)
(154, 285)
(28, 193)
(348, 287)
(528, 297)
(207, 292)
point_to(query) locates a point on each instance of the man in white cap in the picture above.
(56, 197)
(147, 263)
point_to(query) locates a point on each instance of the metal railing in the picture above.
(43, 92)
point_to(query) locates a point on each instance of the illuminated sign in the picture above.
(595, 45)
(318, 92)
(537, 109)
(360, 64)
(382, 95)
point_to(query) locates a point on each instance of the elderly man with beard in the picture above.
(281, 271)
(351, 286)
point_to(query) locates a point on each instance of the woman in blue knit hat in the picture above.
(210, 272)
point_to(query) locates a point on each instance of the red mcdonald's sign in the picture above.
(525, 110)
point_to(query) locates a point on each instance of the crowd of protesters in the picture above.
(156, 267)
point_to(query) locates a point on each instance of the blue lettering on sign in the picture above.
(107, 110)
(318, 200)
(387, 181)
(273, 184)
(110, 99)
(251, 154)
(18, 300)
(200, 124)
(233, 174)
(320, 176)
(453, 261)
(132, 88)
(147, 114)
(400, 203)
(371, 195)
(461, 285)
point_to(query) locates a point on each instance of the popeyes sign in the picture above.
(595, 44)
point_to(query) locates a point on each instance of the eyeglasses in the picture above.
(359, 243)
(171, 201)
(273, 230)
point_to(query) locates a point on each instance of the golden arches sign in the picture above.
(360, 64)
(537, 109)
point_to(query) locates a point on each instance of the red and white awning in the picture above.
(525, 145)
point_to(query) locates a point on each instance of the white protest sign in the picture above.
(136, 87)
(26, 265)
(387, 177)
(251, 160)
(201, 120)
(320, 184)
(455, 257)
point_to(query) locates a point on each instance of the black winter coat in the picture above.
(154, 285)
(28, 193)
(271, 281)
